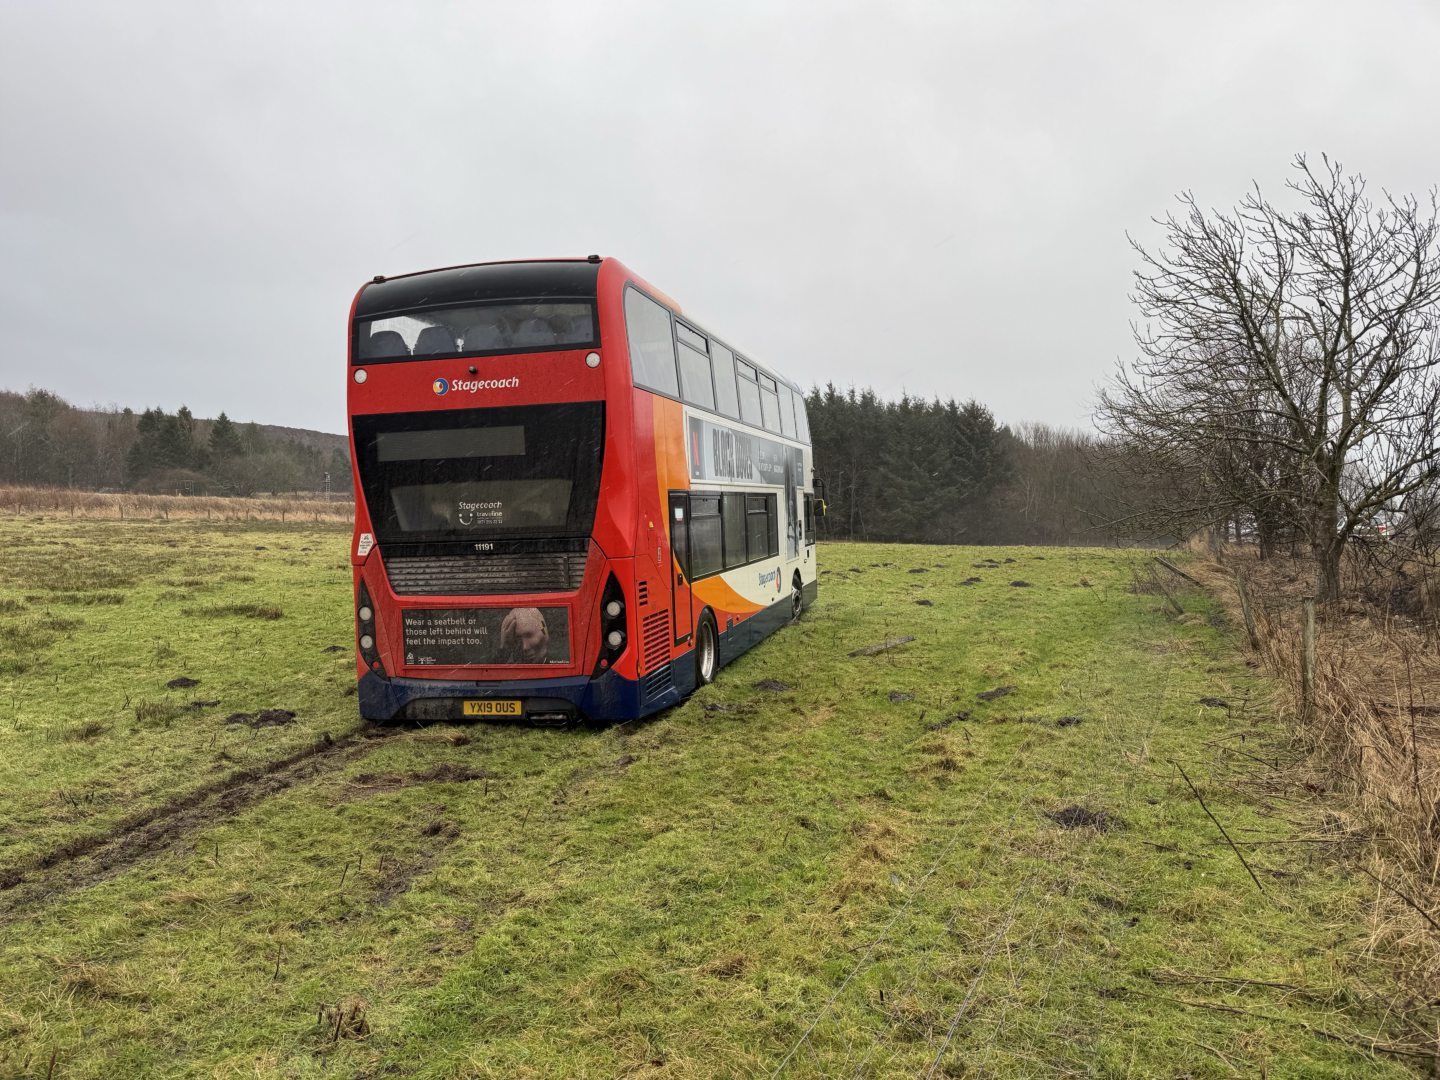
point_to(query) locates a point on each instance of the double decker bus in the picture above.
(572, 500)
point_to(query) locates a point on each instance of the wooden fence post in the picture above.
(1307, 661)
(1245, 609)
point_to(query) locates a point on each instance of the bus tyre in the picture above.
(797, 599)
(707, 651)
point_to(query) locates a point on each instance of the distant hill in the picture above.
(324, 441)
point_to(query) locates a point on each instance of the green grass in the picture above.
(847, 877)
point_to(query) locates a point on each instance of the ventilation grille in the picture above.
(642, 593)
(657, 682)
(655, 639)
(485, 575)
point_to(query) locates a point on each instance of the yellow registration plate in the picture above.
(493, 708)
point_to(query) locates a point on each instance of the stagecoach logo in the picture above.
(444, 386)
(773, 575)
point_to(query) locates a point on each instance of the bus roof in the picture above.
(457, 285)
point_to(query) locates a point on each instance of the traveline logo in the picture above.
(444, 386)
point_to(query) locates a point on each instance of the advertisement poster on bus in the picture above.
(473, 636)
(718, 452)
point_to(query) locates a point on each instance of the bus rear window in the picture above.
(479, 474)
(470, 331)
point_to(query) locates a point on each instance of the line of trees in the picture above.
(946, 472)
(46, 441)
(1287, 377)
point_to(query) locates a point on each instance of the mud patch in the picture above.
(333, 648)
(244, 611)
(383, 783)
(897, 696)
(345, 1019)
(956, 718)
(263, 718)
(1078, 817)
(919, 570)
(774, 686)
(727, 967)
(1214, 703)
(925, 603)
(972, 581)
(396, 876)
(1021, 585)
(1067, 721)
(449, 738)
(998, 692)
(440, 827)
(184, 682)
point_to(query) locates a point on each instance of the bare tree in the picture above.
(1288, 362)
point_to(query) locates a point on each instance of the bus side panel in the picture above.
(673, 474)
(653, 564)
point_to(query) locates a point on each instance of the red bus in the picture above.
(572, 500)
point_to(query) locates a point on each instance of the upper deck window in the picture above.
(496, 328)
(749, 394)
(695, 384)
(802, 422)
(787, 412)
(770, 404)
(726, 400)
(652, 346)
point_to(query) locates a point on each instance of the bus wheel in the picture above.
(707, 651)
(797, 599)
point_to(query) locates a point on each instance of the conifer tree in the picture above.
(224, 443)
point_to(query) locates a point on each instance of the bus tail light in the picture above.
(365, 630)
(614, 636)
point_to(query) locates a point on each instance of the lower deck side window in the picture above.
(720, 531)
(734, 529)
(762, 527)
(706, 544)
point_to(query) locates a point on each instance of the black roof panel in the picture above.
(473, 284)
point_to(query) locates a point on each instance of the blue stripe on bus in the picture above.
(608, 697)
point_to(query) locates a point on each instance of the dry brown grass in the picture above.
(132, 506)
(1372, 740)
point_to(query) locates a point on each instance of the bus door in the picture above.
(680, 548)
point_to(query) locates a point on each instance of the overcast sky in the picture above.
(927, 197)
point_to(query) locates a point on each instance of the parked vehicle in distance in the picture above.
(572, 500)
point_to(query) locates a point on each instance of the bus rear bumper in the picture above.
(608, 697)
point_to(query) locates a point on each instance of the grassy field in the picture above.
(823, 865)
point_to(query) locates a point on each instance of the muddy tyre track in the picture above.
(88, 860)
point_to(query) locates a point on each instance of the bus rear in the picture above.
(489, 440)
